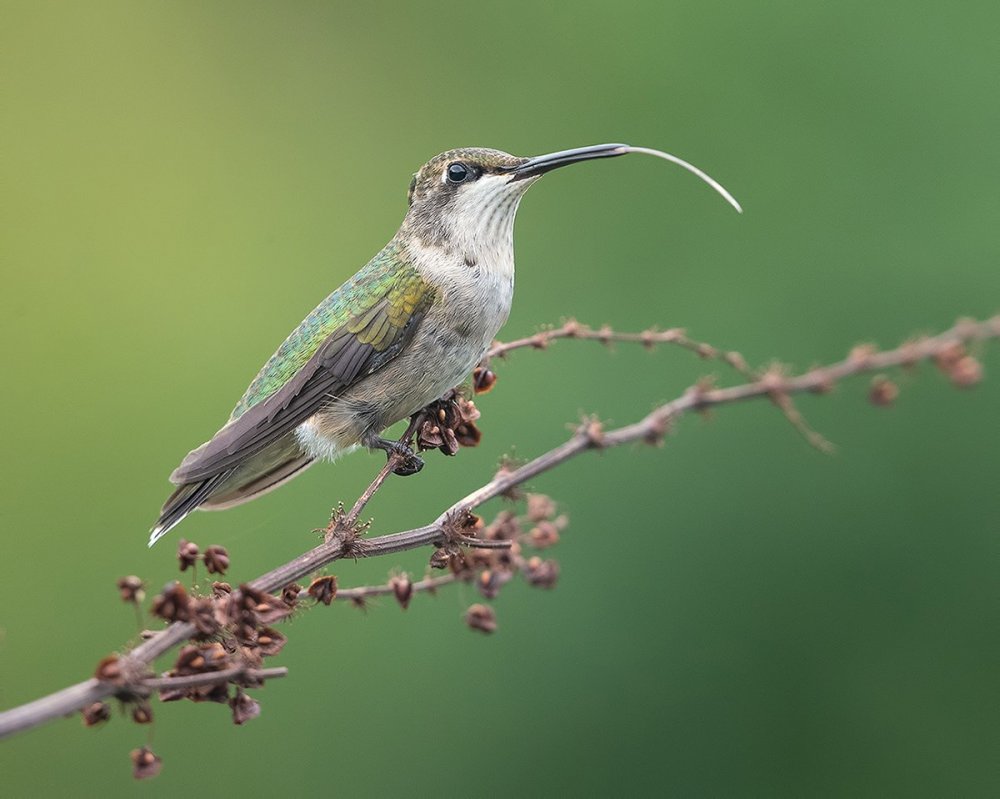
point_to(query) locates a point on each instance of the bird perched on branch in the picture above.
(411, 324)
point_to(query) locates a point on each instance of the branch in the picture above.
(946, 349)
(648, 338)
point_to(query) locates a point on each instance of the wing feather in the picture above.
(364, 343)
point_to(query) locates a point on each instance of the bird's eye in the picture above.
(458, 172)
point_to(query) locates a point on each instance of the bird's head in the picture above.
(469, 196)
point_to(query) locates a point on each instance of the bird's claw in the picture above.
(408, 464)
(408, 461)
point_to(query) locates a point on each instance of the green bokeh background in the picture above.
(738, 614)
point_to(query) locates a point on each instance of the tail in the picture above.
(268, 470)
(185, 499)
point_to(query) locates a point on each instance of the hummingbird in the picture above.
(410, 325)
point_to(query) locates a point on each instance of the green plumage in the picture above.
(356, 306)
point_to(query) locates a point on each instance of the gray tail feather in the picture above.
(184, 500)
(231, 497)
(213, 493)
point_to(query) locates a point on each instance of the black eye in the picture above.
(458, 172)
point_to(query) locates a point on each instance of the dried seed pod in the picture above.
(482, 618)
(220, 590)
(187, 554)
(203, 617)
(883, 391)
(201, 658)
(402, 589)
(142, 712)
(323, 589)
(172, 604)
(145, 763)
(216, 559)
(505, 527)
(541, 573)
(490, 581)
(483, 380)
(467, 434)
(440, 558)
(270, 641)
(540, 507)
(109, 669)
(290, 594)
(131, 589)
(272, 609)
(97, 713)
(545, 534)
(244, 707)
(966, 372)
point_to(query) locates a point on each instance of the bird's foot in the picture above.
(408, 462)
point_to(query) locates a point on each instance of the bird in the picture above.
(411, 324)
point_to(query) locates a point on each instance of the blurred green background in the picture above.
(738, 613)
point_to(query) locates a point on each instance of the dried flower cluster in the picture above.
(448, 424)
(216, 558)
(490, 568)
(231, 637)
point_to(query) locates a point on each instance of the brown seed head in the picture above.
(440, 558)
(172, 604)
(467, 434)
(323, 589)
(290, 594)
(482, 618)
(505, 527)
(216, 559)
(483, 380)
(490, 582)
(883, 392)
(244, 707)
(201, 658)
(966, 372)
(203, 617)
(95, 714)
(109, 669)
(187, 554)
(540, 507)
(544, 535)
(541, 573)
(142, 712)
(270, 642)
(145, 764)
(272, 609)
(131, 589)
(220, 590)
(402, 589)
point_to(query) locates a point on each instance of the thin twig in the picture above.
(213, 677)
(648, 338)
(429, 584)
(352, 515)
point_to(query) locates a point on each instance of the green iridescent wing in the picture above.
(358, 329)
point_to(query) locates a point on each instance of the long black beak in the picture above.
(541, 164)
(544, 163)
